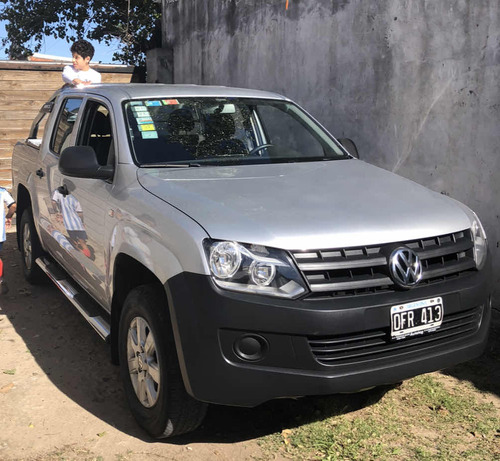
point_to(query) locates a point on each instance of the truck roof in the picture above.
(155, 90)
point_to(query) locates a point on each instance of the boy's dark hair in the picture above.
(83, 48)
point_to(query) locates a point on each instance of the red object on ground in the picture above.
(1, 268)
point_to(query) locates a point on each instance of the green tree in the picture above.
(135, 23)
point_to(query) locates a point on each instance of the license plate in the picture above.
(416, 317)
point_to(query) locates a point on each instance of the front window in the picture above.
(96, 132)
(224, 131)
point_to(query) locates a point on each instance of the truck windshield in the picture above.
(224, 131)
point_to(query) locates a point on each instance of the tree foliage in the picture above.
(135, 23)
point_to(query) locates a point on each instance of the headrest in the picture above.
(180, 120)
(219, 125)
(101, 125)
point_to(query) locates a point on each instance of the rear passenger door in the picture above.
(48, 177)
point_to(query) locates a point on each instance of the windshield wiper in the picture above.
(169, 165)
(305, 159)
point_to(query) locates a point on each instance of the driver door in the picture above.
(82, 204)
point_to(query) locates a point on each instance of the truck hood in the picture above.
(295, 206)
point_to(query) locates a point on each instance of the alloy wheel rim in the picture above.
(143, 364)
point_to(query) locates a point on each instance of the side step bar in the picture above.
(83, 302)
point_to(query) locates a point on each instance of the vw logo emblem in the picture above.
(405, 267)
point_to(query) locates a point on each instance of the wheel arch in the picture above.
(128, 274)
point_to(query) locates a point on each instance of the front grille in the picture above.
(370, 345)
(362, 270)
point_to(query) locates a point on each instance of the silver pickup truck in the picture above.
(232, 251)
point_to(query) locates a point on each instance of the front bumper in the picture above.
(209, 325)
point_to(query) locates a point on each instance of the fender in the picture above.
(143, 246)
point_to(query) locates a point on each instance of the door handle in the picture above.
(40, 173)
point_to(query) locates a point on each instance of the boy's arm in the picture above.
(56, 208)
(12, 209)
(70, 76)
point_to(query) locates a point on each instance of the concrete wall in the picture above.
(415, 83)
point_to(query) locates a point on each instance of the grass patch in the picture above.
(422, 419)
(455, 407)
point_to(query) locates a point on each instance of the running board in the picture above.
(83, 302)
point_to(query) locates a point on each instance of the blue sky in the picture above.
(57, 47)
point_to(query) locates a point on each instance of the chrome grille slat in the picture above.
(446, 249)
(367, 262)
(338, 286)
(340, 272)
(432, 273)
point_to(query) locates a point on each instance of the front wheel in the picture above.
(30, 247)
(149, 367)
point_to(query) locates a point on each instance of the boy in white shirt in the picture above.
(80, 72)
(5, 221)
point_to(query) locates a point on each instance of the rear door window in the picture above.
(65, 125)
(38, 126)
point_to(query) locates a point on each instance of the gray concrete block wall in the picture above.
(415, 83)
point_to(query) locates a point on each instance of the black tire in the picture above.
(174, 411)
(31, 249)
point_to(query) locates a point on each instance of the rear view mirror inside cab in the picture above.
(221, 109)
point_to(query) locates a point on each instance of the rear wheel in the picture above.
(30, 247)
(150, 369)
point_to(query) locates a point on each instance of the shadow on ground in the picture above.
(229, 424)
(77, 361)
(483, 372)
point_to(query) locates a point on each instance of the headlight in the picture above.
(254, 269)
(225, 260)
(480, 242)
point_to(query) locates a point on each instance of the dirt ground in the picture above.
(60, 397)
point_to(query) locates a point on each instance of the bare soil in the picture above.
(61, 398)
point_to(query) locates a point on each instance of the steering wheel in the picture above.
(258, 148)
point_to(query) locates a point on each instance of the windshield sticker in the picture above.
(149, 135)
(136, 103)
(148, 127)
(170, 102)
(140, 113)
(153, 103)
(142, 120)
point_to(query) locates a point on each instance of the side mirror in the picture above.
(349, 146)
(81, 162)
